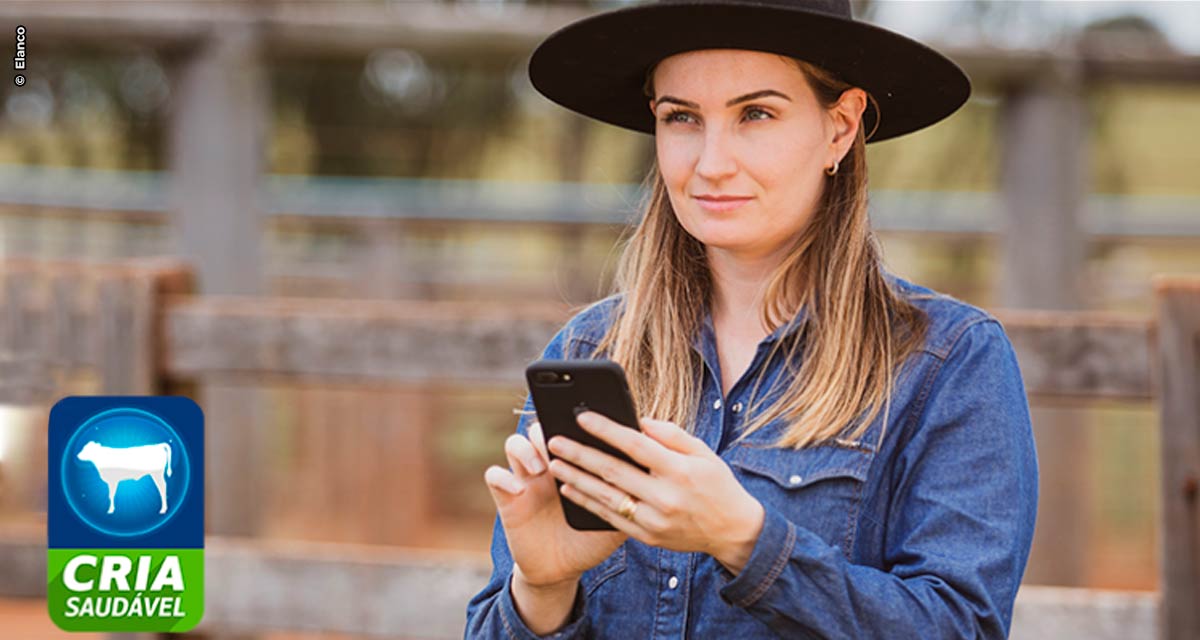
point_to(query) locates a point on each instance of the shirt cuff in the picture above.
(514, 626)
(771, 553)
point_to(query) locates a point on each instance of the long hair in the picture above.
(855, 334)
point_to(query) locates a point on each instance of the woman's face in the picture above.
(746, 124)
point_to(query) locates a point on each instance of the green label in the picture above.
(125, 589)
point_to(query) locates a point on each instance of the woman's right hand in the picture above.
(546, 551)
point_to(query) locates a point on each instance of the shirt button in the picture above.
(737, 406)
(717, 404)
(795, 479)
(673, 582)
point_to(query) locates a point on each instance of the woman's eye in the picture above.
(670, 117)
(757, 110)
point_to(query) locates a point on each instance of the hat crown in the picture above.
(838, 8)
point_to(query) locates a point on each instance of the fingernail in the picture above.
(535, 465)
(515, 486)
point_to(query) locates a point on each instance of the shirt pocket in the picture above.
(819, 488)
(608, 568)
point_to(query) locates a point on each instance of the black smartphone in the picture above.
(563, 388)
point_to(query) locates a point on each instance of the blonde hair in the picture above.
(856, 332)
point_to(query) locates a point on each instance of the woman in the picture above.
(834, 452)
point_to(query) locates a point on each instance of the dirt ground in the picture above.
(28, 620)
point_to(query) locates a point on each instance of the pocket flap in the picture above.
(795, 469)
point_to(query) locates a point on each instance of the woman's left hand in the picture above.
(689, 501)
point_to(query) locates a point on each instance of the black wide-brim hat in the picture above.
(597, 65)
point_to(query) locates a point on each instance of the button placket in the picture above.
(671, 609)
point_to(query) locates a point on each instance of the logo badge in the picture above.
(125, 513)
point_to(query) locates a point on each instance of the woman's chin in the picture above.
(726, 242)
(719, 232)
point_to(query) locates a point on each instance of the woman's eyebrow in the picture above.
(749, 96)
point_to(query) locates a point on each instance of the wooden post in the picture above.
(218, 125)
(217, 132)
(124, 317)
(1043, 163)
(1179, 414)
(1044, 166)
(128, 322)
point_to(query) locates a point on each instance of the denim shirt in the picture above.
(923, 533)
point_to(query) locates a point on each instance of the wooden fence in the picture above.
(138, 329)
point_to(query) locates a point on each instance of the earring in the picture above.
(829, 171)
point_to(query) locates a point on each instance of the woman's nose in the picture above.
(716, 159)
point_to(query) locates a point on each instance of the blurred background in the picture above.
(391, 159)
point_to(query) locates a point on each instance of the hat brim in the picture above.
(597, 66)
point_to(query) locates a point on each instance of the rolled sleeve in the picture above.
(770, 556)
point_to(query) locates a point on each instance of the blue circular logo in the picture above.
(125, 472)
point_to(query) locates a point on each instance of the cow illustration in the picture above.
(130, 463)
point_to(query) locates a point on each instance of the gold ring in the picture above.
(628, 507)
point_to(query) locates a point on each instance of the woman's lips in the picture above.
(723, 204)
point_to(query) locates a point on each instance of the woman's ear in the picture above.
(847, 118)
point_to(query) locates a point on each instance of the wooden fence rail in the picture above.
(135, 324)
